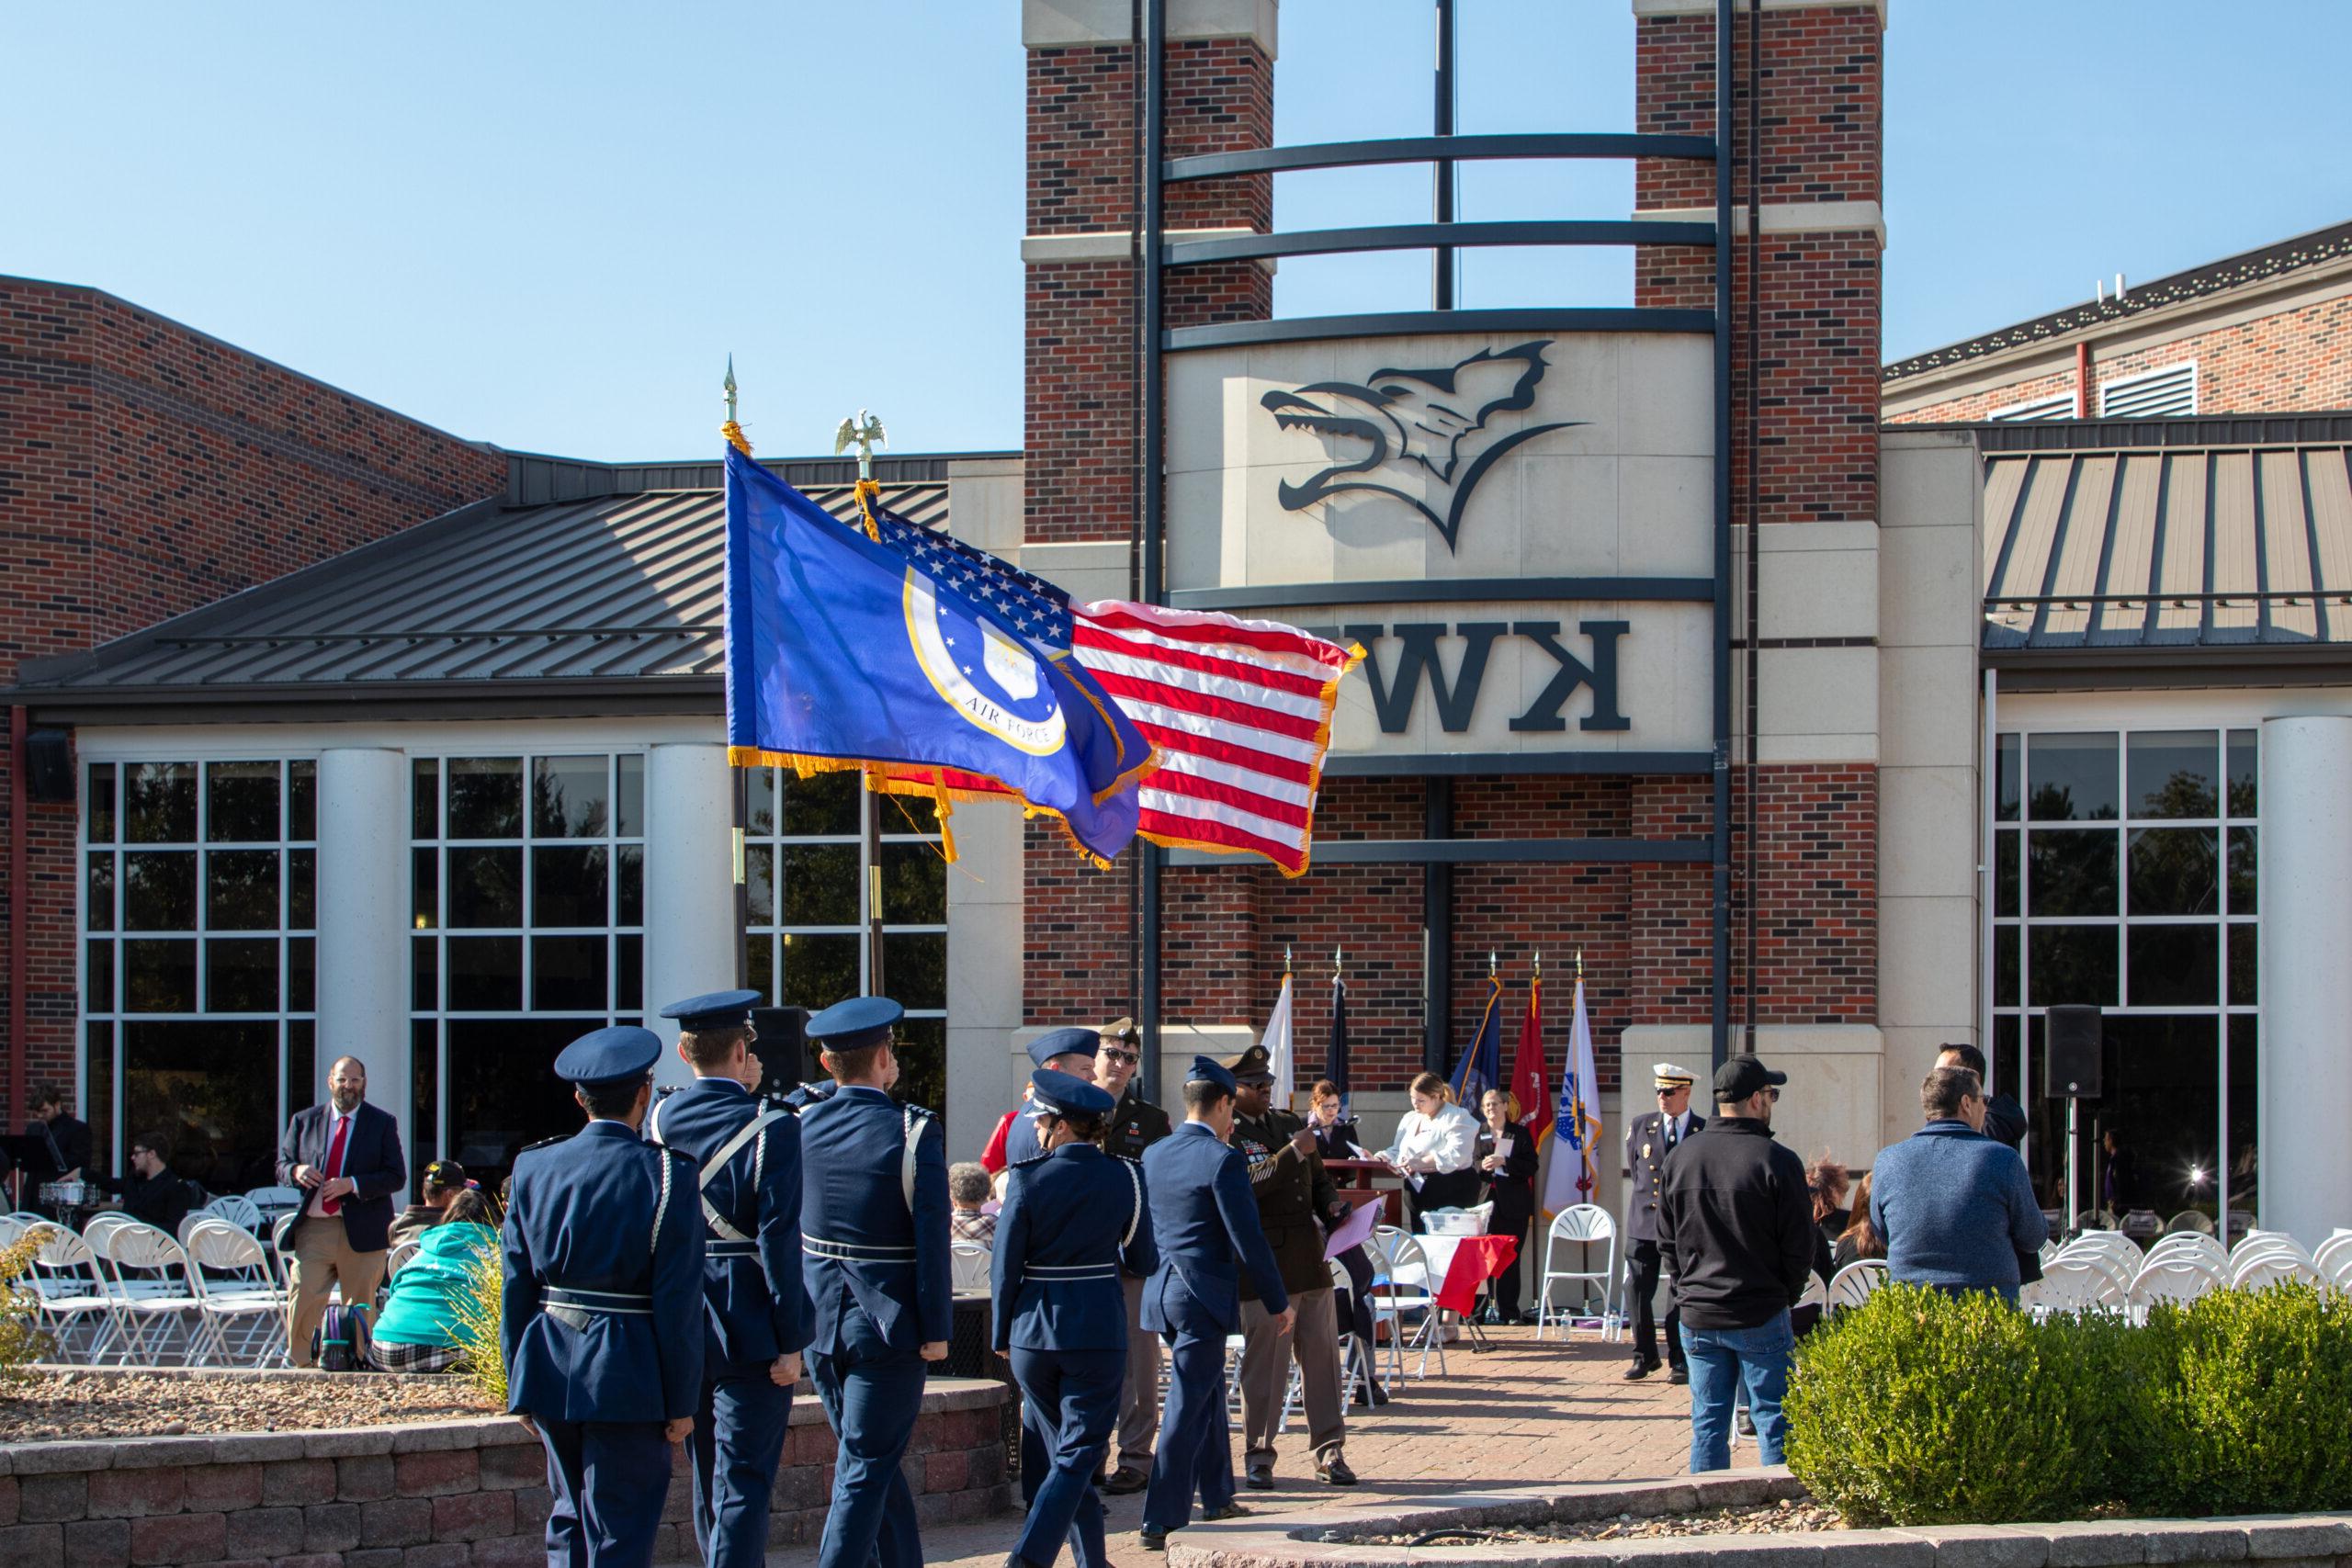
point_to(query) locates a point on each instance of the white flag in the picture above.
(1279, 1055)
(1575, 1172)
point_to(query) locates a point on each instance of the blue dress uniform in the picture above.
(747, 1153)
(1204, 1214)
(1070, 1218)
(604, 1258)
(1020, 1138)
(874, 1233)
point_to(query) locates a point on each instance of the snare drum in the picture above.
(69, 1194)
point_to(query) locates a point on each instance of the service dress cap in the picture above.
(1065, 1095)
(1253, 1065)
(856, 1024)
(609, 1055)
(1208, 1069)
(1120, 1029)
(714, 1010)
(1063, 1043)
(1666, 1075)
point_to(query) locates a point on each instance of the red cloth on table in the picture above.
(1476, 1259)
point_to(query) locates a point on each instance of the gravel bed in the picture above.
(78, 1406)
(1773, 1518)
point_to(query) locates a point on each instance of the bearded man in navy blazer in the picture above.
(345, 1155)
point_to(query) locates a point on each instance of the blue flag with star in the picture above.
(842, 651)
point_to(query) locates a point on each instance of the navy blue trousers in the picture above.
(1196, 1432)
(734, 1449)
(1069, 1402)
(872, 1395)
(606, 1482)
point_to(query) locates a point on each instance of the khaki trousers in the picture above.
(1265, 1374)
(323, 1259)
(1139, 1393)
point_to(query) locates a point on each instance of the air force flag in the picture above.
(840, 652)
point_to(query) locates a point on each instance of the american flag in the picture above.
(1239, 711)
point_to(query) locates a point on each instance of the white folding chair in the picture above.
(100, 1226)
(1817, 1293)
(2114, 1245)
(2179, 1279)
(242, 1213)
(2332, 1253)
(2189, 1222)
(968, 1264)
(1413, 1285)
(1852, 1285)
(71, 1292)
(2260, 1269)
(242, 1300)
(2197, 1245)
(274, 1200)
(1580, 1227)
(2079, 1285)
(398, 1258)
(165, 1292)
(1356, 1368)
(12, 1231)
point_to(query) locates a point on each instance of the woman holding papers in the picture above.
(1435, 1151)
(1506, 1158)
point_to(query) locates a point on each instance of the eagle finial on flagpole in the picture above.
(1286, 963)
(866, 433)
(1494, 963)
(729, 385)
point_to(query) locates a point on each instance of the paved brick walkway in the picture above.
(1522, 1414)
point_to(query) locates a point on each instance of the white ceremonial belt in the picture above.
(855, 1251)
(719, 1247)
(598, 1301)
(1069, 1271)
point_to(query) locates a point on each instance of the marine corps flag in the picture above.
(1530, 1074)
(1481, 1068)
(844, 653)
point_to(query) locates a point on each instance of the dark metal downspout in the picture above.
(1441, 259)
(1755, 469)
(19, 943)
(1720, 1020)
(1153, 60)
(1437, 821)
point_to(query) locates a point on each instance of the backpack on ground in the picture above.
(343, 1338)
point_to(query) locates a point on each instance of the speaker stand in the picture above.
(2073, 1147)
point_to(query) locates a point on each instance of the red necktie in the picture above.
(331, 1206)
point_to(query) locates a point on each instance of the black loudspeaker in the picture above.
(783, 1048)
(49, 767)
(2074, 1049)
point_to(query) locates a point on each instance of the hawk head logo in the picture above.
(1422, 428)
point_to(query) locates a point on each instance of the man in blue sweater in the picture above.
(1954, 1207)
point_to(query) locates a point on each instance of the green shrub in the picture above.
(2255, 1412)
(1923, 1409)
(478, 1314)
(22, 1342)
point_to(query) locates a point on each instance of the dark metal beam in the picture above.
(1443, 268)
(1421, 236)
(1488, 852)
(1720, 1010)
(1456, 764)
(1428, 149)
(1437, 931)
(1154, 65)
(1416, 323)
(1449, 591)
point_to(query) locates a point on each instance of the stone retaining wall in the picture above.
(439, 1495)
(1340, 1537)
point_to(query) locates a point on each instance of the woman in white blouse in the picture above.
(1436, 1141)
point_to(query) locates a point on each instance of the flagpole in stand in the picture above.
(743, 802)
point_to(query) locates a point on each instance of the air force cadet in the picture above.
(1204, 1215)
(1071, 1217)
(1649, 1139)
(1066, 1051)
(747, 1153)
(874, 1234)
(603, 1307)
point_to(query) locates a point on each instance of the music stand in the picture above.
(27, 1156)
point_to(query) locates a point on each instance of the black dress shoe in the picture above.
(1230, 1511)
(1261, 1478)
(1640, 1370)
(1152, 1540)
(1126, 1481)
(1678, 1374)
(1334, 1471)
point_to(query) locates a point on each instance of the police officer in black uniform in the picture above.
(1649, 1139)
(1135, 1124)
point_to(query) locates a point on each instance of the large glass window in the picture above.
(527, 911)
(2124, 877)
(808, 887)
(199, 959)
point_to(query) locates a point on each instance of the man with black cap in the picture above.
(1735, 1230)
(1135, 1124)
(1073, 1217)
(1295, 1199)
(755, 1311)
(874, 1238)
(1649, 1139)
(602, 1311)
(1204, 1218)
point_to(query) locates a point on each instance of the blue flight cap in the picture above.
(717, 1009)
(856, 1024)
(609, 1055)
(1068, 1095)
(1207, 1069)
(1064, 1042)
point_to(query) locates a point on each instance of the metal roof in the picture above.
(2257, 266)
(580, 596)
(2156, 547)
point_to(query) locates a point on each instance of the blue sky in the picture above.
(547, 226)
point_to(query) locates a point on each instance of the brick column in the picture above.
(1082, 361)
(1816, 388)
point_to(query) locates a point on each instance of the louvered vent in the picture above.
(2172, 390)
(2060, 407)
